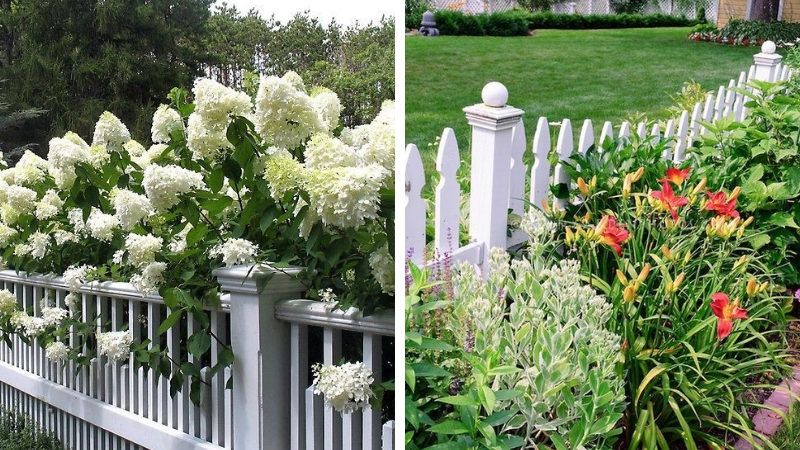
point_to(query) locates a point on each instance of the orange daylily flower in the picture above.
(612, 234)
(719, 203)
(726, 312)
(667, 199)
(676, 176)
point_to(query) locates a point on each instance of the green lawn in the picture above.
(595, 74)
(788, 436)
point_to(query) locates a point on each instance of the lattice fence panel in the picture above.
(583, 7)
(475, 6)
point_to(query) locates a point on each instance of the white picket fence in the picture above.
(500, 181)
(111, 405)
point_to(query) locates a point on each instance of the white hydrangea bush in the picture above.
(227, 179)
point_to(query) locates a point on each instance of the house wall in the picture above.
(737, 9)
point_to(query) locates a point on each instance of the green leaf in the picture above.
(198, 344)
(215, 180)
(459, 400)
(449, 427)
(170, 321)
(782, 219)
(231, 169)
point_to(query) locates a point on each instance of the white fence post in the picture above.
(766, 63)
(492, 124)
(261, 347)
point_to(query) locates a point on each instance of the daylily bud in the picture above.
(600, 228)
(763, 287)
(739, 262)
(670, 287)
(643, 274)
(621, 277)
(570, 236)
(586, 217)
(628, 294)
(638, 175)
(700, 186)
(687, 257)
(546, 207)
(583, 187)
(735, 193)
(679, 280)
(626, 186)
(639, 206)
(593, 183)
(666, 252)
(752, 287)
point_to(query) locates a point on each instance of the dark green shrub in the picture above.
(701, 14)
(449, 22)
(535, 5)
(596, 21)
(628, 6)
(754, 30)
(20, 432)
(508, 23)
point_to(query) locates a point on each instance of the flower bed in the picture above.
(668, 281)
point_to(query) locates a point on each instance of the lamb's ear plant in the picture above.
(520, 359)
(702, 316)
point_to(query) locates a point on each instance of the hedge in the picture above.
(517, 22)
(754, 30)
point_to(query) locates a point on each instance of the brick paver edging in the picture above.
(767, 421)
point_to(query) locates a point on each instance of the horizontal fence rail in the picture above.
(501, 182)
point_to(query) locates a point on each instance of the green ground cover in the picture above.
(577, 74)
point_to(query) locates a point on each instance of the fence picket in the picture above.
(351, 431)
(641, 131)
(516, 188)
(540, 171)
(669, 132)
(606, 133)
(694, 127)
(564, 150)
(719, 106)
(624, 131)
(315, 429)
(372, 417)
(388, 435)
(415, 206)
(448, 195)
(332, 352)
(586, 139)
(680, 138)
(299, 379)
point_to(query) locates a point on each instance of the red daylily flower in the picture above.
(611, 233)
(726, 312)
(719, 203)
(668, 200)
(676, 176)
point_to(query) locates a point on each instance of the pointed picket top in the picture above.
(641, 131)
(415, 205)
(564, 149)
(655, 132)
(625, 130)
(720, 104)
(447, 214)
(730, 95)
(516, 198)
(540, 171)
(694, 127)
(669, 132)
(751, 73)
(587, 137)
(680, 138)
(606, 133)
(785, 73)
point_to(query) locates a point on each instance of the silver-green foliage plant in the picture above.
(547, 329)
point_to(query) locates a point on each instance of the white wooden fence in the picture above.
(500, 181)
(111, 405)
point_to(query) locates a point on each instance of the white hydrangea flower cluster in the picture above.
(63, 236)
(165, 121)
(178, 242)
(37, 246)
(345, 197)
(110, 132)
(130, 207)
(235, 251)
(76, 276)
(49, 205)
(346, 388)
(53, 315)
(163, 184)
(382, 264)
(27, 325)
(30, 169)
(101, 226)
(116, 345)
(328, 106)
(20, 198)
(6, 234)
(62, 157)
(142, 249)
(75, 217)
(208, 124)
(148, 281)
(57, 351)
(285, 115)
(8, 301)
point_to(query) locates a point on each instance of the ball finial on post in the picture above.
(768, 47)
(494, 94)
